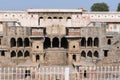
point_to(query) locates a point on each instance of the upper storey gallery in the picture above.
(62, 17)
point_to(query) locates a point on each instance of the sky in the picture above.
(54, 4)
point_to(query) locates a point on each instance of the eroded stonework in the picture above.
(59, 37)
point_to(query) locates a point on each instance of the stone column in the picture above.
(69, 58)
(77, 57)
(42, 58)
(33, 58)
(59, 43)
(51, 44)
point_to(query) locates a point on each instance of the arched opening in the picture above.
(89, 54)
(13, 54)
(26, 42)
(20, 54)
(64, 42)
(39, 20)
(83, 42)
(47, 43)
(89, 42)
(68, 17)
(96, 54)
(83, 54)
(54, 17)
(19, 42)
(74, 57)
(13, 42)
(37, 58)
(96, 42)
(60, 17)
(109, 42)
(49, 18)
(26, 54)
(55, 42)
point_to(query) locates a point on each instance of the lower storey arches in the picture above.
(19, 54)
(89, 54)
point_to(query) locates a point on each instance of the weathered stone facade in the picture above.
(57, 37)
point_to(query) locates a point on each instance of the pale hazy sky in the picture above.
(63, 4)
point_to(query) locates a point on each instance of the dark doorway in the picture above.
(85, 73)
(2, 53)
(55, 42)
(26, 54)
(20, 54)
(37, 58)
(64, 42)
(13, 54)
(26, 42)
(74, 57)
(89, 54)
(105, 53)
(109, 42)
(83, 42)
(83, 54)
(96, 54)
(89, 42)
(19, 42)
(47, 43)
(96, 42)
(13, 42)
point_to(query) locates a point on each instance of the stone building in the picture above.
(59, 37)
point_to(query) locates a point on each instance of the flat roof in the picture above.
(54, 10)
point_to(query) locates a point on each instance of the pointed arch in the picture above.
(20, 54)
(96, 54)
(89, 54)
(13, 54)
(26, 54)
(83, 54)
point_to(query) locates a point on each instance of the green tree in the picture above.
(100, 7)
(118, 8)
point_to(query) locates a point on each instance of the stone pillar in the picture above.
(33, 58)
(51, 44)
(59, 43)
(77, 57)
(42, 58)
(69, 58)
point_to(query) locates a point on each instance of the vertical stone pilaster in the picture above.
(33, 58)
(69, 58)
(41, 58)
(77, 57)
